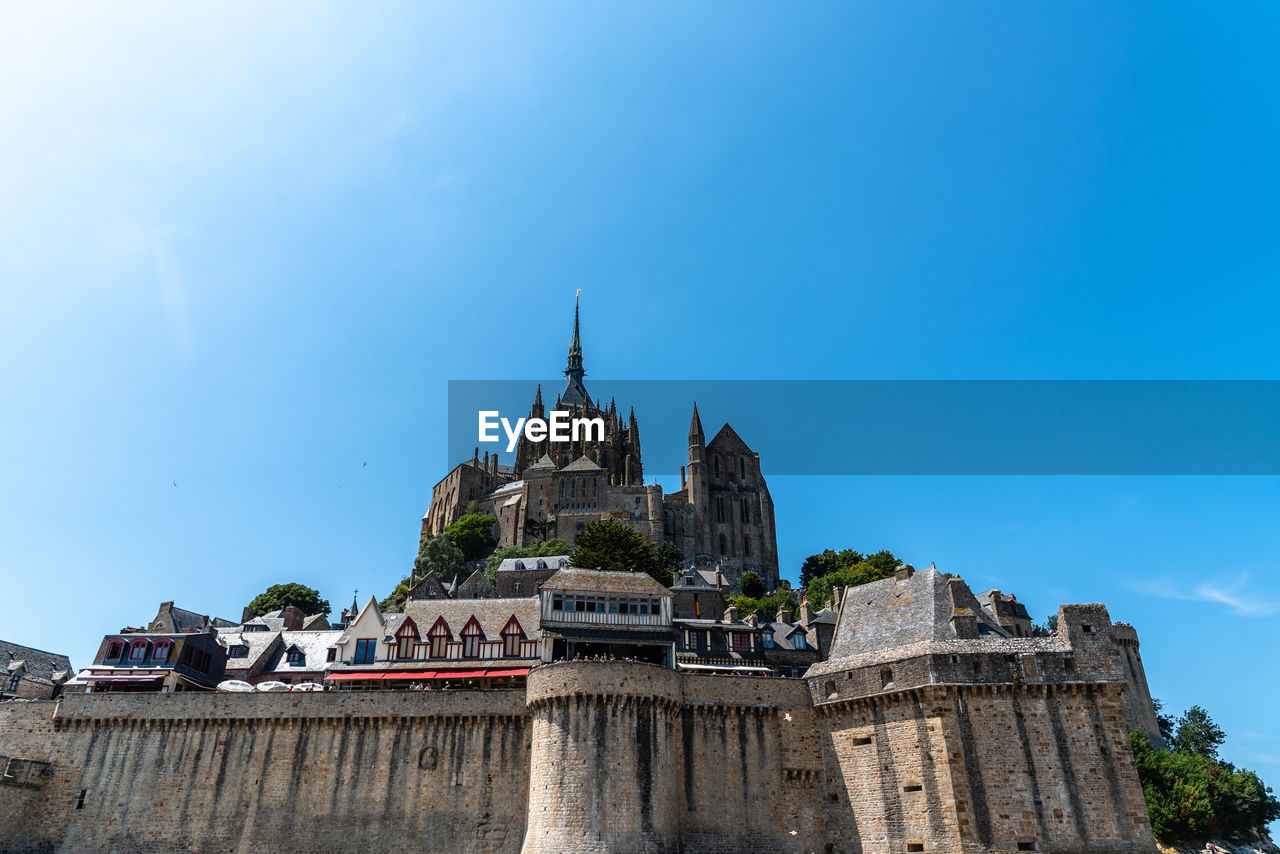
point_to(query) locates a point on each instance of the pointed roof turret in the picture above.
(575, 393)
(537, 398)
(695, 427)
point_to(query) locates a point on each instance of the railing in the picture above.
(487, 651)
(604, 619)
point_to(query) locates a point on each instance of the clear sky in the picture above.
(244, 247)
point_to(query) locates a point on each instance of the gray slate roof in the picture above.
(491, 614)
(47, 668)
(597, 581)
(313, 645)
(891, 613)
(513, 564)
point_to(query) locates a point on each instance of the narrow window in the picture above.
(915, 846)
(913, 787)
(80, 800)
(716, 462)
(742, 467)
(746, 545)
(13, 682)
(724, 545)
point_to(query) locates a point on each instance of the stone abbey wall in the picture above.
(592, 757)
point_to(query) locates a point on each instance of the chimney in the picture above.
(837, 595)
(475, 458)
(486, 460)
(904, 571)
(246, 615)
(783, 616)
(682, 477)
(731, 614)
(806, 613)
(293, 617)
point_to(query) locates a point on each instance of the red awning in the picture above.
(515, 671)
(458, 674)
(410, 674)
(337, 677)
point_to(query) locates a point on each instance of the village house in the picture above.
(434, 642)
(32, 674)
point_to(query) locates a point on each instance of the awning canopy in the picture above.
(92, 678)
(735, 667)
(430, 674)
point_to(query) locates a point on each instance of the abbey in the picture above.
(721, 516)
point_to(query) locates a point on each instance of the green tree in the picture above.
(473, 533)
(884, 561)
(768, 606)
(540, 529)
(820, 590)
(1192, 797)
(1198, 734)
(439, 554)
(278, 596)
(614, 546)
(1166, 722)
(554, 546)
(750, 585)
(827, 562)
(611, 545)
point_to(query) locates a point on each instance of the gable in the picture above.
(728, 441)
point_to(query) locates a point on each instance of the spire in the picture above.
(575, 393)
(695, 427)
(537, 399)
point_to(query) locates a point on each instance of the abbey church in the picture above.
(721, 516)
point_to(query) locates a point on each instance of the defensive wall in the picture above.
(591, 757)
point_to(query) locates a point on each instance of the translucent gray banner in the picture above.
(921, 427)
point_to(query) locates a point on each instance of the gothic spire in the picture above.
(695, 427)
(575, 393)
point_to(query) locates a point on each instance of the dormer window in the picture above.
(115, 649)
(439, 638)
(238, 651)
(799, 641)
(406, 638)
(138, 650)
(160, 654)
(472, 634)
(295, 657)
(512, 634)
(14, 680)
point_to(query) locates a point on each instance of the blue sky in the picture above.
(245, 248)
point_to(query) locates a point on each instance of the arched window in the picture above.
(542, 564)
(746, 510)
(573, 488)
(716, 464)
(406, 637)
(562, 490)
(138, 650)
(724, 545)
(160, 654)
(719, 508)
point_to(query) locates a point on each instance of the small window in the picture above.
(115, 649)
(366, 651)
(333, 654)
(160, 654)
(886, 676)
(1026, 846)
(1086, 628)
(798, 641)
(860, 742)
(13, 681)
(557, 603)
(915, 846)
(295, 657)
(977, 668)
(913, 787)
(138, 651)
(1069, 663)
(238, 651)
(516, 589)
(829, 688)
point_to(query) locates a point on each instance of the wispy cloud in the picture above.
(1233, 595)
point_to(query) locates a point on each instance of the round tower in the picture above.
(605, 756)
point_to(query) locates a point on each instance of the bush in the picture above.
(1191, 796)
